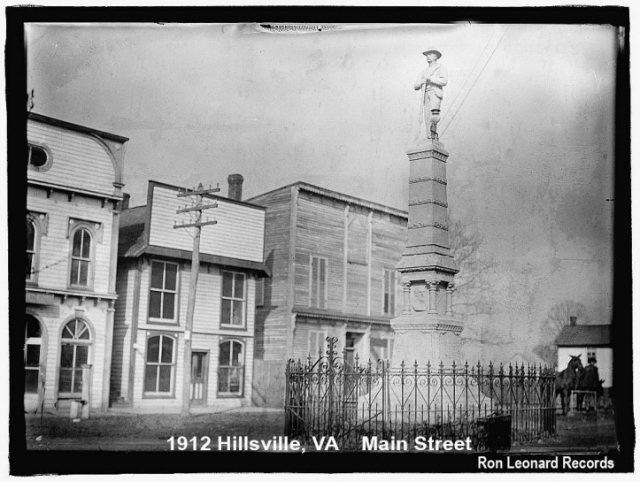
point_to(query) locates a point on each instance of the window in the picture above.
(389, 292)
(38, 157)
(380, 349)
(231, 368)
(32, 347)
(317, 343)
(318, 282)
(76, 341)
(80, 258)
(233, 298)
(163, 291)
(260, 292)
(158, 374)
(31, 260)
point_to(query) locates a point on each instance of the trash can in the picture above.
(494, 433)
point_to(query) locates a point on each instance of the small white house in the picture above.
(587, 341)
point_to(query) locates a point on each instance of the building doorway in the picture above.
(199, 373)
(353, 344)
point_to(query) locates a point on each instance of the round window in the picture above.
(37, 156)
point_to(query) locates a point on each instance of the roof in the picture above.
(305, 186)
(76, 127)
(584, 335)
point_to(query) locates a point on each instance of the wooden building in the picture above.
(332, 259)
(153, 277)
(74, 182)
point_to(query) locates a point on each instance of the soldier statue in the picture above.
(431, 81)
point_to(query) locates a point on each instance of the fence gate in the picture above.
(330, 397)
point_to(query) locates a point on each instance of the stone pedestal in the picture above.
(427, 329)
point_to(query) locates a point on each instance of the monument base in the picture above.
(426, 337)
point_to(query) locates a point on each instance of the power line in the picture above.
(475, 81)
(466, 80)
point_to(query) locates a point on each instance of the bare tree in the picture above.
(559, 316)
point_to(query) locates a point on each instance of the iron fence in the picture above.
(348, 401)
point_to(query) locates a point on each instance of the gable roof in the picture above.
(584, 335)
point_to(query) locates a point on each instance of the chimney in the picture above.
(235, 186)
(125, 201)
(573, 320)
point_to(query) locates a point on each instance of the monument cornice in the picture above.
(418, 202)
(429, 225)
(413, 180)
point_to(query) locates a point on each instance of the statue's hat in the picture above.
(432, 51)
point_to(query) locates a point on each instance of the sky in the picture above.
(527, 118)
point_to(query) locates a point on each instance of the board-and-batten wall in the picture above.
(207, 333)
(273, 320)
(239, 232)
(79, 160)
(321, 232)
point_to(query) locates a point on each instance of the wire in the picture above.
(475, 81)
(462, 89)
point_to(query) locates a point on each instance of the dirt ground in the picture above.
(575, 433)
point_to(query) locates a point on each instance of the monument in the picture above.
(427, 330)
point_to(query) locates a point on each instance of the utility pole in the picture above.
(197, 197)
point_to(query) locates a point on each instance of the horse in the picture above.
(588, 380)
(566, 381)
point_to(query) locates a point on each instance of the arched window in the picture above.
(80, 258)
(76, 342)
(158, 376)
(31, 260)
(231, 368)
(32, 354)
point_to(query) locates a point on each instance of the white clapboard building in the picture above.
(74, 182)
(154, 271)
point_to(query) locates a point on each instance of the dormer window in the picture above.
(39, 157)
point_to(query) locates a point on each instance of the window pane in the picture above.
(239, 285)
(84, 273)
(77, 380)
(237, 359)
(153, 349)
(65, 380)
(235, 378)
(170, 276)
(29, 265)
(150, 377)
(77, 243)
(223, 379)
(38, 157)
(82, 355)
(31, 236)
(322, 285)
(154, 304)
(227, 284)
(157, 273)
(226, 312)
(167, 349)
(168, 306)
(33, 328)
(314, 282)
(82, 331)
(32, 356)
(165, 378)
(66, 359)
(224, 356)
(237, 313)
(31, 381)
(75, 268)
(86, 244)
